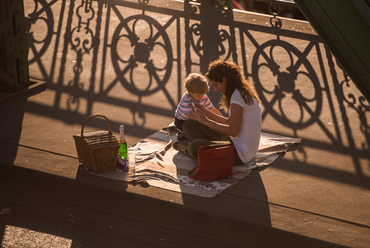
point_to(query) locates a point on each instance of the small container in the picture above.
(131, 160)
(122, 164)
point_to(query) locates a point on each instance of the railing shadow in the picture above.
(120, 53)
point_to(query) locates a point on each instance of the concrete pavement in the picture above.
(85, 60)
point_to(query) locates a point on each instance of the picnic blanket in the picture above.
(160, 165)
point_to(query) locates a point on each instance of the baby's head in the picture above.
(196, 85)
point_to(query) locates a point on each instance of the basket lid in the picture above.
(100, 139)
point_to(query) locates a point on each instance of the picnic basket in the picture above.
(98, 150)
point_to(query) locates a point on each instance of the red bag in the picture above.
(215, 162)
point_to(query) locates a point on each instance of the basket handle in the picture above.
(83, 126)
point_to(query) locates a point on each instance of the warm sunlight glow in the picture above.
(23, 237)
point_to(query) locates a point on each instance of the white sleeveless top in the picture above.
(247, 140)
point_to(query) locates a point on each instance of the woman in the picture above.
(242, 127)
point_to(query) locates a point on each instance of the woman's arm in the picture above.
(192, 115)
(230, 128)
(216, 111)
(214, 115)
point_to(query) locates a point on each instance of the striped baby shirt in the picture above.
(184, 106)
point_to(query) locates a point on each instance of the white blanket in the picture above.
(159, 165)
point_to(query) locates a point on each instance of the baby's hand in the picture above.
(193, 108)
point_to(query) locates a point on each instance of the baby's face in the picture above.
(196, 97)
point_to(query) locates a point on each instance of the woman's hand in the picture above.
(199, 114)
(200, 106)
(229, 126)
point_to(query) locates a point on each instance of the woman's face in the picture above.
(219, 86)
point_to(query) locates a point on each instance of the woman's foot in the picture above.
(181, 146)
(181, 136)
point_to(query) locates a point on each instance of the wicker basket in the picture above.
(98, 150)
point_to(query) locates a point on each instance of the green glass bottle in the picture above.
(122, 142)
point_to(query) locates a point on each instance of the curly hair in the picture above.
(196, 83)
(220, 69)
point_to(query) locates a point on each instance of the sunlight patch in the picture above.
(23, 237)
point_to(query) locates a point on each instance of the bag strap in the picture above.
(213, 146)
(193, 177)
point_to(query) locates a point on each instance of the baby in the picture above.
(196, 86)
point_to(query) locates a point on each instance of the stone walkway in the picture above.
(127, 61)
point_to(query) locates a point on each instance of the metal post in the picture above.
(14, 73)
